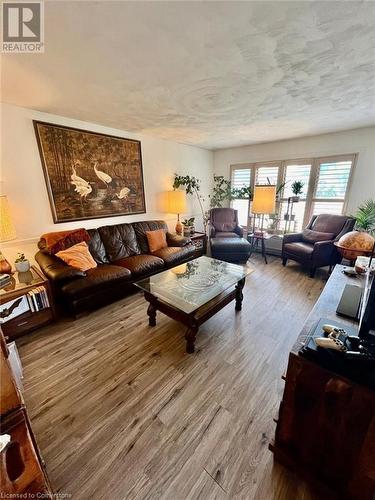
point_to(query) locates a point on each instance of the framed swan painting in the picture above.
(88, 174)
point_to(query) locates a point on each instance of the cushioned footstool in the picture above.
(230, 249)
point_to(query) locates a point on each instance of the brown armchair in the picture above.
(314, 247)
(224, 223)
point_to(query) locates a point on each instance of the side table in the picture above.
(258, 238)
(19, 286)
(199, 240)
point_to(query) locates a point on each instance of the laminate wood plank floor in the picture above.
(120, 411)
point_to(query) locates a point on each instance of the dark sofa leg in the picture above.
(312, 272)
(284, 262)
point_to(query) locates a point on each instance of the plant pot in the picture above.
(286, 216)
(23, 266)
(295, 199)
(187, 231)
(292, 217)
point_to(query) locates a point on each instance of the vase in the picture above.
(23, 266)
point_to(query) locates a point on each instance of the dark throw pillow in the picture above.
(310, 236)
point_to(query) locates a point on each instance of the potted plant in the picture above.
(192, 186)
(189, 228)
(297, 188)
(21, 263)
(365, 217)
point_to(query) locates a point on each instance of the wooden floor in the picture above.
(120, 411)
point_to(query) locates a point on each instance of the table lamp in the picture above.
(264, 202)
(7, 232)
(176, 204)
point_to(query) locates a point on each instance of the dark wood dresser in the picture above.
(326, 425)
(22, 473)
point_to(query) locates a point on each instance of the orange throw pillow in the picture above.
(156, 239)
(78, 256)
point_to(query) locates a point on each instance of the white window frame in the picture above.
(314, 172)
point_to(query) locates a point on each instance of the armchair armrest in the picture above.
(292, 238)
(212, 231)
(55, 269)
(325, 253)
(238, 230)
(175, 240)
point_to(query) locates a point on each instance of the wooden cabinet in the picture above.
(20, 285)
(21, 466)
(326, 424)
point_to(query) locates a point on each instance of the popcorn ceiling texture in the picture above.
(212, 74)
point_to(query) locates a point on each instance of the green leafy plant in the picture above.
(20, 257)
(297, 187)
(221, 191)
(365, 217)
(244, 193)
(188, 222)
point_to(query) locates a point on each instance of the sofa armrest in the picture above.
(55, 269)
(292, 238)
(175, 240)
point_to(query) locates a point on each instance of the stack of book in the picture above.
(37, 299)
(4, 279)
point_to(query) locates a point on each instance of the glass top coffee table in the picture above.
(193, 292)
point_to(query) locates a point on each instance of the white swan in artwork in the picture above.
(123, 194)
(102, 175)
(81, 186)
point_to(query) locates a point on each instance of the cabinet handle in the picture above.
(22, 323)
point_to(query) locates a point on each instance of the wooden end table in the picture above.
(21, 284)
(254, 239)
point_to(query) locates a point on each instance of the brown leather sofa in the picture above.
(224, 223)
(314, 247)
(123, 256)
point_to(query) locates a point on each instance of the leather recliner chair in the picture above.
(224, 223)
(314, 247)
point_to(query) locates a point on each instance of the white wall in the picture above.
(361, 141)
(23, 181)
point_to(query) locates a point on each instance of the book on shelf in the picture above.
(37, 299)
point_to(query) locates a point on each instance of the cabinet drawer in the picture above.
(26, 322)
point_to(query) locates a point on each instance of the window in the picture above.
(241, 178)
(325, 186)
(331, 186)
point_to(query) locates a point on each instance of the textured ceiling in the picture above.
(212, 74)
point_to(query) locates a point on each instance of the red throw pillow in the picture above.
(69, 240)
(156, 239)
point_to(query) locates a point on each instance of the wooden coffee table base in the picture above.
(195, 319)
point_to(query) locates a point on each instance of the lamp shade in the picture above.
(264, 200)
(176, 202)
(7, 229)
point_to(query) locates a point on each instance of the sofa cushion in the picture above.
(310, 236)
(140, 265)
(174, 255)
(226, 234)
(78, 256)
(299, 249)
(156, 239)
(140, 229)
(96, 247)
(119, 241)
(103, 276)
